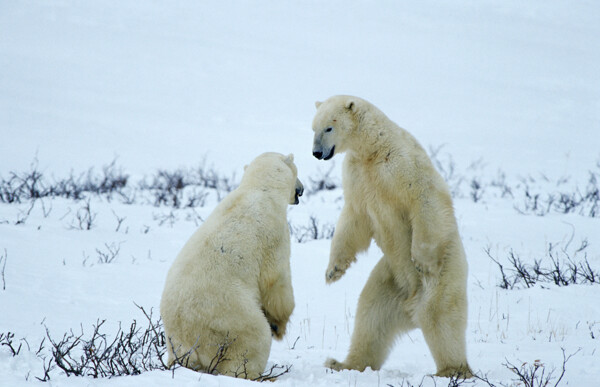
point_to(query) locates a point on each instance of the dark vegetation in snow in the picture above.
(530, 195)
(177, 188)
(129, 351)
(188, 188)
(560, 266)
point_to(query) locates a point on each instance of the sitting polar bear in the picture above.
(394, 195)
(229, 289)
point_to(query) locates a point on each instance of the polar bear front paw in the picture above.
(333, 364)
(277, 330)
(334, 273)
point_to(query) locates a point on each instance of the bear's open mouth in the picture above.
(330, 155)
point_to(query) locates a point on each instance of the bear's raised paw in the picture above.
(334, 274)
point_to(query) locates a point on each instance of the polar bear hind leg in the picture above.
(381, 317)
(244, 353)
(443, 324)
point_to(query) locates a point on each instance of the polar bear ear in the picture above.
(317, 104)
(289, 159)
(245, 167)
(350, 105)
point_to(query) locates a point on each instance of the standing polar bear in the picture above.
(394, 195)
(229, 289)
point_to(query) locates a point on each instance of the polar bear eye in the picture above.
(328, 129)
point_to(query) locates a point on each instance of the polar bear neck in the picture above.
(269, 187)
(377, 135)
(256, 202)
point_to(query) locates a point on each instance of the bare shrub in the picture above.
(536, 375)
(111, 180)
(322, 182)
(584, 201)
(186, 187)
(221, 355)
(120, 220)
(32, 184)
(23, 186)
(129, 352)
(169, 219)
(195, 197)
(531, 195)
(167, 187)
(453, 381)
(7, 340)
(476, 190)
(208, 177)
(274, 372)
(502, 185)
(84, 218)
(24, 214)
(594, 331)
(9, 192)
(110, 254)
(314, 230)
(191, 187)
(558, 266)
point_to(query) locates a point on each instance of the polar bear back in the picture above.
(225, 255)
(230, 285)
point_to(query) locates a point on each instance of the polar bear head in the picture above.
(334, 125)
(277, 173)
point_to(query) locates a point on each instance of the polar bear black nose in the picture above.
(318, 155)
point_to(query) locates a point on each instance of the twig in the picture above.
(3, 260)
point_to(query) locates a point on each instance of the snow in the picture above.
(165, 85)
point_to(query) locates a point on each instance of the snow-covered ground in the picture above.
(507, 93)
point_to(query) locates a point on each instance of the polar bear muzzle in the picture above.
(299, 191)
(322, 154)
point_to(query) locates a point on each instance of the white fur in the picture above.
(230, 286)
(394, 195)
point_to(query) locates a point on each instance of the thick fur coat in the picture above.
(229, 289)
(394, 196)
